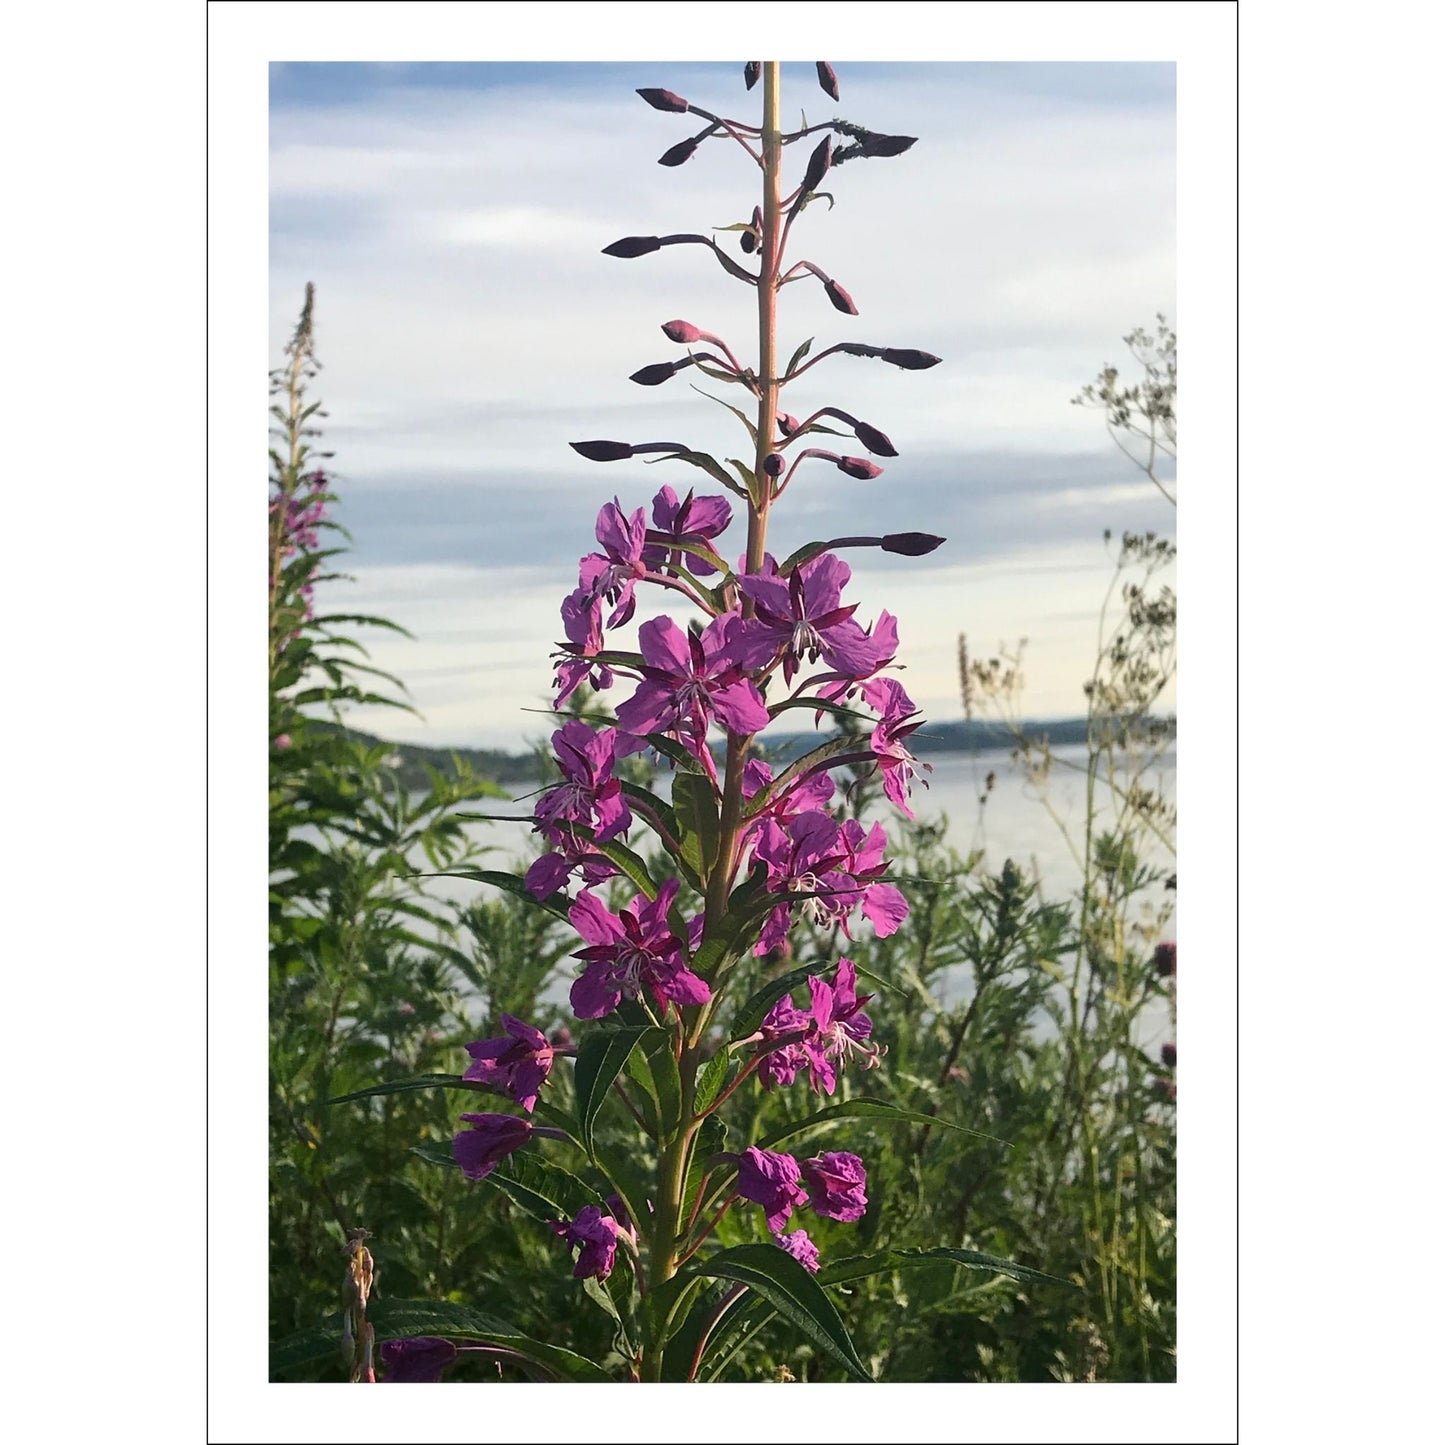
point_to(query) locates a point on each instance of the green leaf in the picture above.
(683, 1346)
(859, 1266)
(710, 1080)
(736, 411)
(869, 1109)
(791, 1290)
(818, 704)
(600, 1057)
(630, 864)
(669, 748)
(831, 749)
(557, 904)
(417, 1081)
(798, 355)
(694, 803)
(655, 1055)
(544, 1190)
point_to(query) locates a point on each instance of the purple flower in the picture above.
(282, 741)
(1166, 959)
(799, 859)
(417, 1361)
(615, 572)
(696, 520)
(590, 795)
(686, 680)
(843, 1029)
(800, 1247)
(596, 1234)
(898, 764)
(859, 467)
(772, 1180)
(582, 622)
(883, 905)
(781, 1063)
(490, 1139)
(517, 1065)
(800, 616)
(630, 950)
(835, 1186)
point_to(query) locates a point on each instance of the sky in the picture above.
(452, 217)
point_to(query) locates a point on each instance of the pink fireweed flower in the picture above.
(582, 622)
(811, 793)
(696, 520)
(887, 697)
(800, 618)
(517, 1065)
(595, 1233)
(882, 904)
(800, 1247)
(590, 795)
(632, 950)
(490, 1139)
(835, 1184)
(773, 1181)
(615, 572)
(780, 1065)
(417, 1361)
(843, 1029)
(687, 680)
(801, 859)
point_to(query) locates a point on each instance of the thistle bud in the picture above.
(655, 375)
(682, 151)
(840, 298)
(773, 464)
(912, 544)
(751, 71)
(858, 467)
(874, 440)
(602, 451)
(827, 79)
(663, 100)
(630, 246)
(683, 331)
(908, 359)
(818, 164)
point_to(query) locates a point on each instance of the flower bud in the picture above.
(874, 440)
(1170, 1055)
(912, 544)
(818, 164)
(748, 242)
(859, 348)
(655, 375)
(751, 71)
(683, 331)
(885, 145)
(787, 423)
(1166, 957)
(630, 246)
(908, 359)
(750, 239)
(682, 151)
(602, 451)
(840, 298)
(857, 467)
(773, 464)
(663, 100)
(827, 79)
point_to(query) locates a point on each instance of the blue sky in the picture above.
(452, 217)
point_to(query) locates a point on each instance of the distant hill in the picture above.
(526, 768)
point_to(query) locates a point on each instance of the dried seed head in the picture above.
(602, 451)
(828, 79)
(663, 100)
(840, 298)
(682, 151)
(630, 246)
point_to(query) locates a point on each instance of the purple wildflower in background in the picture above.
(835, 1185)
(800, 1247)
(517, 1065)
(687, 680)
(630, 951)
(417, 1361)
(773, 1181)
(595, 1234)
(490, 1139)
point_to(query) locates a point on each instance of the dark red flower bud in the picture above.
(857, 467)
(748, 242)
(840, 298)
(630, 246)
(874, 440)
(787, 423)
(657, 374)
(818, 164)
(751, 71)
(827, 79)
(663, 100)
(603, 451)
(885, 145)
(682, 151)
(773, 464)
(1170, 1055)
(683, 331)
(1166, 958)
(912, 544)
(908, 359)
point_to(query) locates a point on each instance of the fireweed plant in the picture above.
(664, 1039)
